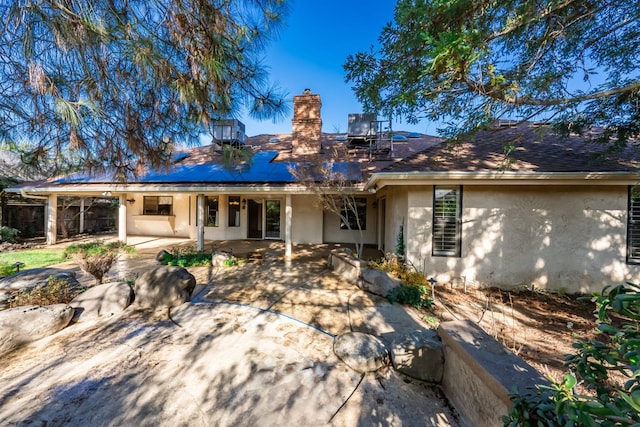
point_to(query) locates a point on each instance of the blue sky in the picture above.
(313, 45)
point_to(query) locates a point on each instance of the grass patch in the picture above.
(32, 258)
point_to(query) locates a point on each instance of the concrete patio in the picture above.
(255, 346)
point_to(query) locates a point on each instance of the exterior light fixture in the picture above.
(244, 203)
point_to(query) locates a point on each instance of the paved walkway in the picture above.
(255, 347)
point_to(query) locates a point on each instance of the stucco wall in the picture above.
(176, 225)
(223, 231)
(333, 234)
(561, 238)
(307, 219)
(395, 217)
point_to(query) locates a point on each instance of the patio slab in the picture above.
(255, 348)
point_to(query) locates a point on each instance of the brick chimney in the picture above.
(306, 123)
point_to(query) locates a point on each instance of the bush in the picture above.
(7, 269)
(611, 403)
(56, 291)
(8, 234)
(96, 258)
(413, 295)
(186, 257)
(390, 263)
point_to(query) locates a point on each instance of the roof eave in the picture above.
(382, 179)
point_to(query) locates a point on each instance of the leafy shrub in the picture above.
(6, 269)
(8, 234)
(612, 403)
(400, 248)
(415, 296)
(390, 264)
(186, 257)
(56, 291)
(96, 258)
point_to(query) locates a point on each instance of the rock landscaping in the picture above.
(22, 325)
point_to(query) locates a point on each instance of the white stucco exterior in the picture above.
(332, 233)
(569, 238)
(309, 224)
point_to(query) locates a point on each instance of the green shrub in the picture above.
(96, 258)
(186, 257)
(56, 291)
(413, 295)
(6, 269)
(594, 361)
(8, 234)
(400, 248)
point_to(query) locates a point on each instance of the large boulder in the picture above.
(164, 286)
(30, 279)
(22, 325)
(361, 352)
(220, 258)
(419, 354)
(101, 301)
(378, 282)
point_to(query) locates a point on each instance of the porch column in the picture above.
(122, 218)
(288, 213)
(51, 219)
(200, 222)
(81, 226)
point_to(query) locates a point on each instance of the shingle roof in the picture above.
(525, 147)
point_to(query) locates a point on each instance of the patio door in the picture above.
(254, 219)
(272, 217)
(263, 214)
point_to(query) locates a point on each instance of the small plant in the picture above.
(413, 295)
(390, 264)
(56, 291)
(6, 269)
(431, 321)
(8, 234)
(96, 258)
(400, 248)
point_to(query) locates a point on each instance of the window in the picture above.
(211, 205)
(353, 218)
(446, 221)
(633, 226)
(158, 205)
(234, 211)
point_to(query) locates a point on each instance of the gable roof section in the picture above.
(522, 148)
(521, 154)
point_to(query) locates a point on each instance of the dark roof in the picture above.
(521, 148)
(525, 147)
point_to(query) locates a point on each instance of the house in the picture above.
(516, 206)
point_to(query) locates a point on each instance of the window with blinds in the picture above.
(446, 221)
(633, 226)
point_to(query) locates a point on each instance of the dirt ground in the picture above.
(540, 327)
